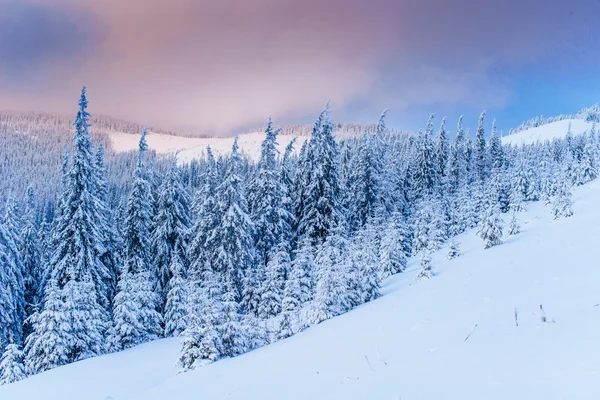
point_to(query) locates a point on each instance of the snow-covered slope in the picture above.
(549, 131)
(191, 148)
(411, 343)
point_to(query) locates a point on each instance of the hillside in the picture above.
(549, 131)
(411, 343)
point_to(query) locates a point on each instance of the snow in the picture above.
(194, 148)
(550, 131)
(411, 343)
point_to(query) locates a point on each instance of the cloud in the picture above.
(226, 65)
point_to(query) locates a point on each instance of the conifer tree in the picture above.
(73, 321)
(319, 205)
(266, 200)
(273, 285)
(12, 368)
(453, 250)
(392, 252)
(513, 226)
(561, 202)
(30, 251)
(426, 268)
(170, 233)
(490, 226)
(233, 256)
(480, 159)
(442, 149)
(136, 319)
(176, 307)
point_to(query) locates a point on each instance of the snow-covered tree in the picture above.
(73, 321)
(176, 307)
(273, 284)
(392, 251)
(135, 315)
(426, 267)
(453, 250)
(12, 368)
(319, 204)
(170, 234)
(490, 226)
(561, 201)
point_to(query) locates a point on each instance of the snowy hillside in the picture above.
(549, 131)
(190, 148)
(411, 343)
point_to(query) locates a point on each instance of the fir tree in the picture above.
(513, 226)
(490, 226)
(136, 319)
(319, 205)
(171, 225)
(392, 252)
(561, 202)
(480, 152)
(30, 251)
(73, 321)
(426, 268)
(453, 250)
(12, 368)
(232, 240)
(273, 285)
(176, 305)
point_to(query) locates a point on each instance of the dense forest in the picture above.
(233, 254)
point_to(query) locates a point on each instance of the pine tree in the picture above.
(266, 200)
(170, 233)
(392, 252)
(454, 250)
(273, 285)
(299, 288)
(202, 341)
(490, 226)
(561, 201)
(364, 254)
(513, 226)
(232, 240)
(426, 268)
(424, 174)
(442, 149)
(319, 203)
(330, 280)
(12, 291)
(480, 159)
(73, 321)
(106, 246)
(176, 305)
(30, 253)
(136, 319)
(12, 368)
(363, 185)
(206, 220)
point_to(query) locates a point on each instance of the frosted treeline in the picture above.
(232, 254)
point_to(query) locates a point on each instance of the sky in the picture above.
(225, 66)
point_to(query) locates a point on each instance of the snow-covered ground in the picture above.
(411, 344)
(193, 148)
(550, 131)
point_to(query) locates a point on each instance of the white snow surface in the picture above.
(411, 343)
(550, 131)
(188, 149)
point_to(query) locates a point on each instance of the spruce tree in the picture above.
(30, 250)
(319, 205)
(136, 319)
(12, 368)
(561, 201)
(426, 268)
(453, 250)
(392, 252)
(273, 285)
(490, 226)
(73, 321)
(232, 241)
(176, 307)
(480, 159)
(170, 234)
